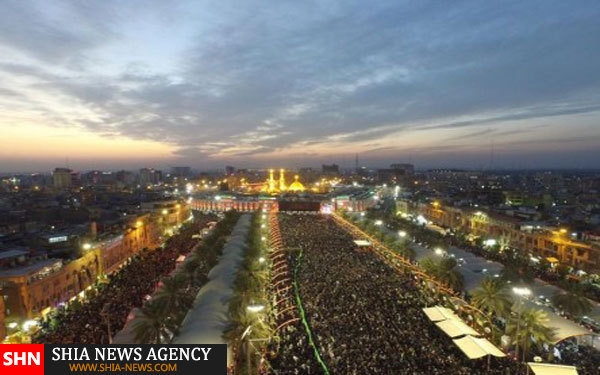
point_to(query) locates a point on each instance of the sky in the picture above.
(467, 84)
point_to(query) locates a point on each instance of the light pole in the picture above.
(250, 309)
(521, 293)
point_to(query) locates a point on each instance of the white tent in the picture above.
(548, 369)
(206, 321)
(362, 243)
(475, 347)
(439, 313)
(456, 328)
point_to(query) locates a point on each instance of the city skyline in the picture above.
(115, 85)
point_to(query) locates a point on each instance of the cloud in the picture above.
(247, 80)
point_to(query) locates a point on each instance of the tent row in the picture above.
(473, 346)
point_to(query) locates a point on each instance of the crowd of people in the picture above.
(365, 317)
(111, 303)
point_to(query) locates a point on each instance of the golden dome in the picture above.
(296, 185)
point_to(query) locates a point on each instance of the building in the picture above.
(331, 170)
(395, 174)
(556, 245)
(61, 178)
(31, 287)
(150, 176)
(181, 171)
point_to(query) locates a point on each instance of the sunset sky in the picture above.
(470, 84)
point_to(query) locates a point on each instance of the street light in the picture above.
(439, 251)
(255, 308)
(378, 222)
(521, 292)
(86, 246)
(402, 234)
(261, 260)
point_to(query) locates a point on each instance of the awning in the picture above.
(456, 328)
(439, 313)
(552, 260)
(548, 369)
(475, 347)
(362, 243)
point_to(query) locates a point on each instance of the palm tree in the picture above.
(492, 296)
(530, 329)
(572, 301)
(174, 296)
(503, 243)
(152, 325)
(444, 270)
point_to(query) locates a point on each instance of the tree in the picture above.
(445, 271)
(173, 296)
(572, 301)
(530, 330)
(152, 325)
(503, 243)
(492, 296)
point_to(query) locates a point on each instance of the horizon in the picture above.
(470, 85)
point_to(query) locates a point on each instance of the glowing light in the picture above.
(491, 242)
(86, 246)
(255, 308)
(402, 234)
(521, 291)
(439, 251)
(139, 223)
(261, 260)
(28, 324)
(378, 222)
(164, 211)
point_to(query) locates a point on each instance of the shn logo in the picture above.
(21, 358)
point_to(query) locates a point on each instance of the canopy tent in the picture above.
(456, 328)
(439, 313)
(548, 369)
(208, 318)
(475, 347)
(362, 243)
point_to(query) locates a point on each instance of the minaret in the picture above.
(282, 186)
(271, 181)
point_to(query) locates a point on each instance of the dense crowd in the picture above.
(125, 289)
(365, 317)
(586, 358)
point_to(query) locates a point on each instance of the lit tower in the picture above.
(271, 181)
(282, 180)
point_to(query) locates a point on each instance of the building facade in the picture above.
(550, 244)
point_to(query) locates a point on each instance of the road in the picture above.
(475, 268)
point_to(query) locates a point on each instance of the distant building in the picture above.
(229, 170)
(181, 171)
(125, 177)
(61, 178)
(150, 176)
(396, 173)
(332, 169)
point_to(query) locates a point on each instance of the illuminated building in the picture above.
(296, 186)
(61, 178)
(273, 186)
